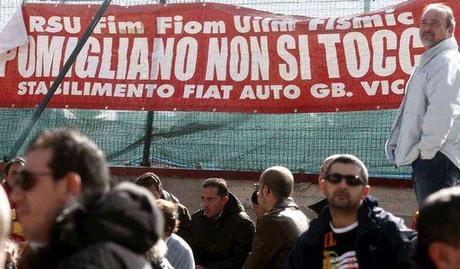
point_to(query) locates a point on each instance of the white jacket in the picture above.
(428, 119)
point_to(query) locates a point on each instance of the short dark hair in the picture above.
(8, 165)
(148, 179)
(279, 179)
(438, 221)
(170, 215)
(74, 152)
(218, 183)
(351, 159)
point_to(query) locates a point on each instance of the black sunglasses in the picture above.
(351, 180)
(26, 180)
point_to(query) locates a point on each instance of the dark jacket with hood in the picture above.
(224, 243)
(276, 232)
(113, 232)
(382, 240)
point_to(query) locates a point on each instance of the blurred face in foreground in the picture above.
(212, 203)
(38, 196)
(13, 173)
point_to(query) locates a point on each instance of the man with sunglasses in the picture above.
(280, 225)
(70, 216)
(352, 232)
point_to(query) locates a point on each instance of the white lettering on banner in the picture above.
(396, 87)
(336, 89)
(289, 70)
(106, 23)
(170, 55)
(332, 60)
(358, 52)
(86, 65)
(162, 57)
(122, 65)
(217, 59)
(54, 24)
(106, 70)
(72, 25)
(26, 59)
(245, 58)
(191, 27)
(211, 92)
(239, 58)
(98, 89)
(357, 57)
(163, 91)
(139, 60)
(70, 46)
(49, 55)
(260, 59)
(264, 92)
(366, 21)
(246, 24)
(43, 58)
(384, 66)
(6, 57)
(410, 38)
(186, 57)
(118, 27)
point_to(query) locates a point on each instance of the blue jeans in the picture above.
(432, 175)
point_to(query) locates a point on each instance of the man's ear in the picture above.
(322, 186)
(225, 199)
(450, 31)
(266, 190)
(73, 184)
(441, 254)
(365, 191)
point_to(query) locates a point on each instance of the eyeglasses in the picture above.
(336, 178)
(26, 180)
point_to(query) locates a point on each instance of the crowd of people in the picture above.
(70, 216)
(60, 209)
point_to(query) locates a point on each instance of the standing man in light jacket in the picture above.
(426, 131)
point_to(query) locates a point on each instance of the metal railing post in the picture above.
(148, 130)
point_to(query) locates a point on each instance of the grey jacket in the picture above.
(428, 119)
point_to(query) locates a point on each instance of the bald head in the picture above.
(279, 179)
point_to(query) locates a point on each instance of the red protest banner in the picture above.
(214, 57)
